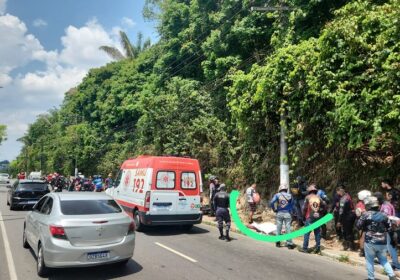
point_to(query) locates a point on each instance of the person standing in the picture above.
(346, 217)
(250, 201)
(21, 175)
(282, 204)
(360, 209)
(387, 208)
(299, 192)
(213, 190)
(221, 202)
(322, 194)
(109, 181)
(387, 186)
(312, 211)
(375, 224)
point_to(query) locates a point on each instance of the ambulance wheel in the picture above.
(138, 223)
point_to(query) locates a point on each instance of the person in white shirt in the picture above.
(250, 201)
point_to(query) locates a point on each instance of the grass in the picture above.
(344, 258)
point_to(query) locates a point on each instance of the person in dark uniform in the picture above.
(347, 218)
(221, 202)
(335, 211)
(299, 193)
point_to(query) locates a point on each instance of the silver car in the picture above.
(78, 229)
(4, 178)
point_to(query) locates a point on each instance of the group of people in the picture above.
(59, 182)
(375, 216)
(95, 183)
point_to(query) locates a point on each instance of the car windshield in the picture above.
(89, 207)
(32, 187)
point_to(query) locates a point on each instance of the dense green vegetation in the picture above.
(215, 84)
(3, 133)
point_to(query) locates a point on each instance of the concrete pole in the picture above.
(284, 166)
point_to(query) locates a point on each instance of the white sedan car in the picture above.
(78, 229)
(4, 178)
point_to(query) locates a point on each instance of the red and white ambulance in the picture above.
(160, 190)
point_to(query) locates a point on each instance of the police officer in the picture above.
(221, 203)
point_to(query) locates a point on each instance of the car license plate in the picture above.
(98, 255)
(32, 202)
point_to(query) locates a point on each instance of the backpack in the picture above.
(283, 201)
(314, 203)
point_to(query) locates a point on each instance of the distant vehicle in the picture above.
(35, 175)
(160, 191)
(26, 193)
(4, 178)
(78, 229)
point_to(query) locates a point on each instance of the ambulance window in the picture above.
(165, 180)
(188, 180)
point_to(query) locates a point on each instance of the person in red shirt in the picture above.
(21, 175)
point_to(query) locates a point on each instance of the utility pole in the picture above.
(284, 159)
(41, 156)
(76, 148)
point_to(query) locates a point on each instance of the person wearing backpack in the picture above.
(282, 204)
(313, 208)
(376, 225)
(346, 218)
(360, 209)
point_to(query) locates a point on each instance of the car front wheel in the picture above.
(42, 270)
(12, 207)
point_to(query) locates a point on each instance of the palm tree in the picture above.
(130, 51)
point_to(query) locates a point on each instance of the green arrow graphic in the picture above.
(271, 238)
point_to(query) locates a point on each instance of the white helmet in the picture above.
(283, 187)
(362, 195)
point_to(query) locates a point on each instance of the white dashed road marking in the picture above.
(10, 261)
(176, 252)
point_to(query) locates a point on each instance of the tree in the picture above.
(3, 133)
(130, 51)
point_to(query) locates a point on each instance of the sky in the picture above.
(48, 46)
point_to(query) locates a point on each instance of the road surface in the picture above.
(169, 253)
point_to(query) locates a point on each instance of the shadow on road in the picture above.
(101, 272)
(172, 230)
(109, 271)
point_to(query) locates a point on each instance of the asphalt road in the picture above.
(169, 253)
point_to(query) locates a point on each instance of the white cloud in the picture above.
(81, 45)
(39, 22)
(3, 6)
(19, 47)
(26, 95)
(128, 22)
